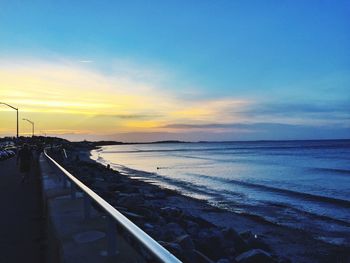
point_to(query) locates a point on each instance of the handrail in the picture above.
(153, 246)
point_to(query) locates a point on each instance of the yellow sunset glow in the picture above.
(68, 98)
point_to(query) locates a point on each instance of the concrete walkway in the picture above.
(22, 225)
(80, 239)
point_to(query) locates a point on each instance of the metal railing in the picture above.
(152, 246)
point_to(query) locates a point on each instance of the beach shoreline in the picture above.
(281, 243)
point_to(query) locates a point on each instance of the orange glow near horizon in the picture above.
(64, 99)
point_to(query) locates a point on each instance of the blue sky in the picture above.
(289, 60)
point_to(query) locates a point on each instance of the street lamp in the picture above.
(14, 109)
(32, 125)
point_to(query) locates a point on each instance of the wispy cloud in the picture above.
(130, 116)
(320, 112)
(86, 61)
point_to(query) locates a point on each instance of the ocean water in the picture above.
(299, 184)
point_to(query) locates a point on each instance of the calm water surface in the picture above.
(300, 184)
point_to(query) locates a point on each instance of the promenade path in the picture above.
(22, 225)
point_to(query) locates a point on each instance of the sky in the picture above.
(176, 70)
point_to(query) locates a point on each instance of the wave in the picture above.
(159, 180)
(304, 196)
(308, 213)
(332, 170)
(246, 149)
(219, 198)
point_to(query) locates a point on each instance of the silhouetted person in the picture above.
(24, 157)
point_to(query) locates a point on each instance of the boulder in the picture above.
(160, 220)
(282, 259)
(254, 240)
(172, 247)
(160, 194)
(210, 242)
(185, 242)
(234, 241)
(201, 258)
(132, 216)
(186, 256)
(130, 201)
(172, 231)
(148, 226)
(112, 187)
(246, 234)
(191, 227)
(147, 213)
(171, 212)
(255, 256)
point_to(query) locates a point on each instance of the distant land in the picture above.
(103, 143)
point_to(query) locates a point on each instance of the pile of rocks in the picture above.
(189, 238)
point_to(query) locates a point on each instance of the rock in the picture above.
(210, 242)
(258, 242)
(130, 190)
(149, 226)
(132, 216)
(282, 259)
(254, 240)
(149, 196)
(172, 231)
(172, 212)
(234, 240)
(160, 220)
(255, 256)
(160, 195)
(185, 242)
(112, 187)
(202, 223)
(246, 234)
(191, 227)
(201, 258)
(230, 233)
(184, 255)
(147, 213)
(189, 256)
(130, 201)
(172, 247)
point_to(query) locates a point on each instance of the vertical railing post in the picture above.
(111, 237)
(72, 190)
(87, 206)
(64, 181)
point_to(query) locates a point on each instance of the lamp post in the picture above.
(14, 109)
(32, 125)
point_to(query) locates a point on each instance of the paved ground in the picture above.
(80, 239)
(22, 225)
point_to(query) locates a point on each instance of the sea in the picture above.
(298, 184)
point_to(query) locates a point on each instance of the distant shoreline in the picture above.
(106, 143)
